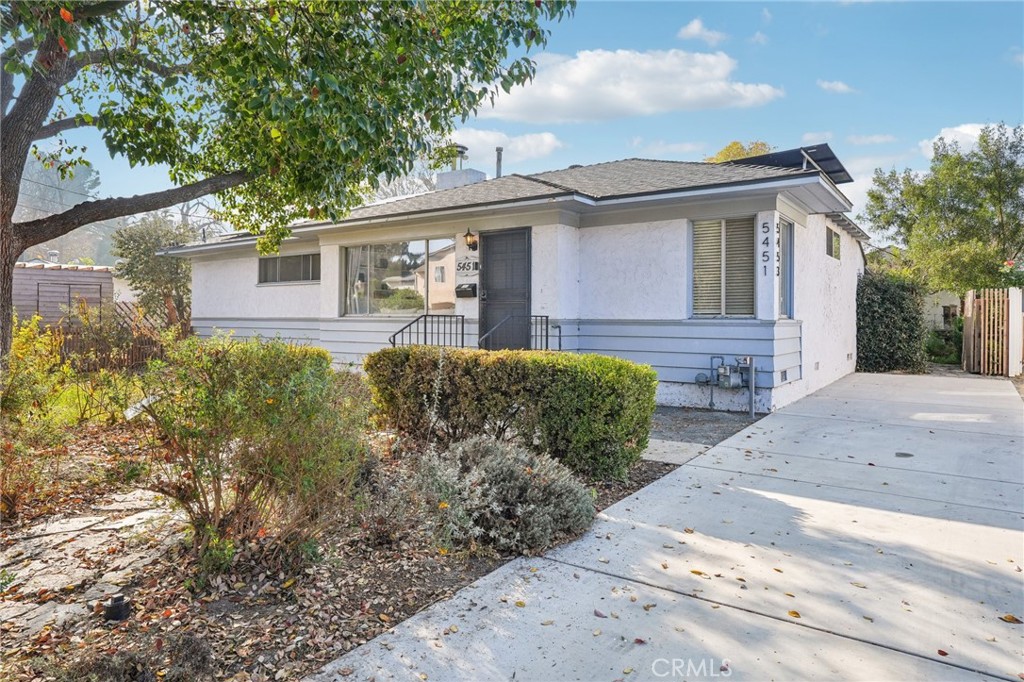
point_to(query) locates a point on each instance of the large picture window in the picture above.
(304, 268)
(723, 267)
(401, 278)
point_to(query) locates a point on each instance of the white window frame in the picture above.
(303, 269)
(787, 233)
(833, 243)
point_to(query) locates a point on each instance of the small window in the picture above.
(304, 268)
(832, 243)
(439, 274)
(785, 269)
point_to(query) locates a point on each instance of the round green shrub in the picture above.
(591, 412)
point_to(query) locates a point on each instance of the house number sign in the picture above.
(766, 247)
(467, 267)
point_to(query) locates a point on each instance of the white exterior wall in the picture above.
(555, 271)
(226, 296)
(638, 271)
(825, 301)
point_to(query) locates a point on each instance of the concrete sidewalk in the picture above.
(872, 531)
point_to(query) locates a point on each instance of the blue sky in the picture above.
(679, 80)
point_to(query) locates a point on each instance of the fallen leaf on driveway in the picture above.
(520, 603)
(943, 653)
(688, 530)
(777, 570)
(794, 614)
(599, 614)
(860, 585)
(1010, 618)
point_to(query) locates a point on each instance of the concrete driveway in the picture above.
(872, 531)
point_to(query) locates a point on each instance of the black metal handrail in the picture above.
(432, 330)
(539, 334)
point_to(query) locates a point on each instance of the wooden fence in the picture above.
(114, 336)
(993, 332)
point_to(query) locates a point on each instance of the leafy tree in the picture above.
(892, 260)
(963, 221)
(736, 150)
(162, 282)
(284, 108)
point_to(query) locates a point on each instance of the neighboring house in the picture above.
(940, 309)
(665, 263)
(435, 280)
(51, 290)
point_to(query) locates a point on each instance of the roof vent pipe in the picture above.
(497, 170)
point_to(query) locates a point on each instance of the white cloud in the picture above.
(838, 87)
(965, 134)
(759, 38)
(696, 30)
(814, 138)
(870, 139)
(601, 85)
(481, 145)
(766, 16)
(663, 148)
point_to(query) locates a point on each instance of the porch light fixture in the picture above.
(472, 241)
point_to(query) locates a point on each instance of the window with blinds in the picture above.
(723, 266)
(304, 268)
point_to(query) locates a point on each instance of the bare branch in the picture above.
(104, 56)
(34, 232)
(58, 127)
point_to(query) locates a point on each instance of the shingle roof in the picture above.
(644, 176)
(629, 177)
(609, 180)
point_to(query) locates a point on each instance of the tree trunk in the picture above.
(172, 311)
(9, 250)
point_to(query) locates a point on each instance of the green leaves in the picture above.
(962, 220)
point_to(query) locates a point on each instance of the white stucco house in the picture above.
(683, 266)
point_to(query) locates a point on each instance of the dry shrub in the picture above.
(31, 376)
(499, 495)
(261, 439)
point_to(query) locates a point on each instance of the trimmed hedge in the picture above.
(891, 329)
(591, 412)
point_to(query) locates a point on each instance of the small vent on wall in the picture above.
(785, 375)
(816, 365)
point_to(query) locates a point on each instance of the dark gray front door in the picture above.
(505, 289)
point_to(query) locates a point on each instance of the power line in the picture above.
(60, 189)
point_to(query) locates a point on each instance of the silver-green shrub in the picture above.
(496, 494)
